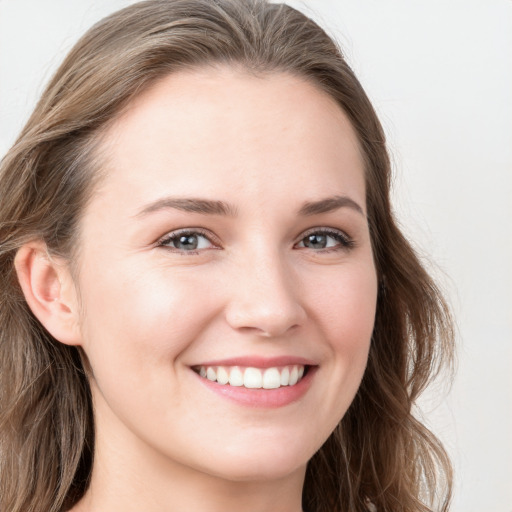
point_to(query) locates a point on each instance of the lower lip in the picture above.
(265, 398)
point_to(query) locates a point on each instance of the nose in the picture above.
(265, 298)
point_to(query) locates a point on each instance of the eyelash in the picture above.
(175, 235)
(344, 241)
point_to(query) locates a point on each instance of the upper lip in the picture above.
(259, 361)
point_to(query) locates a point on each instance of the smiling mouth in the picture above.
(254, 378)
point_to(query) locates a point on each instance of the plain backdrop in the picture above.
(439, 73)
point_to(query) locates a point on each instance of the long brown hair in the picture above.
(379, 456)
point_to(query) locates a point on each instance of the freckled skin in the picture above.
(265, 146)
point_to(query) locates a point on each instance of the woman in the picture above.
(206, 302)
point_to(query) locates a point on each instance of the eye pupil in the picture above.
(316, 241)
(189, 242)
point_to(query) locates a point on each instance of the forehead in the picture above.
(216, 130)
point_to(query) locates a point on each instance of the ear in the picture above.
(49, 291)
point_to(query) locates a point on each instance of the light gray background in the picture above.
(439, 73)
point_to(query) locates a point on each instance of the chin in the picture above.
(259, 472)
(260, 463)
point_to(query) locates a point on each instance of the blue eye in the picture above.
(186, 241)
(325, 239)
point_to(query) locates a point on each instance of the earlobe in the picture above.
(49, 291)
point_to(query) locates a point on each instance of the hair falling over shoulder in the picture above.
(380, 457)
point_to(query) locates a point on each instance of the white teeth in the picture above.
(271, 378)
(222, 375)
(236, 377)
(285, 376)
(253, 378)
(294, 376)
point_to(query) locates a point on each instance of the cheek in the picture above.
(130, 318)
(344, 304)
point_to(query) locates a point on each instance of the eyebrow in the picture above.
(194, 205)
(329, 204)
(215, 207)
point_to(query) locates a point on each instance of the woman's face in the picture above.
(227, 241)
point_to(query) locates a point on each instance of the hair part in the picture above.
(379, 455)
